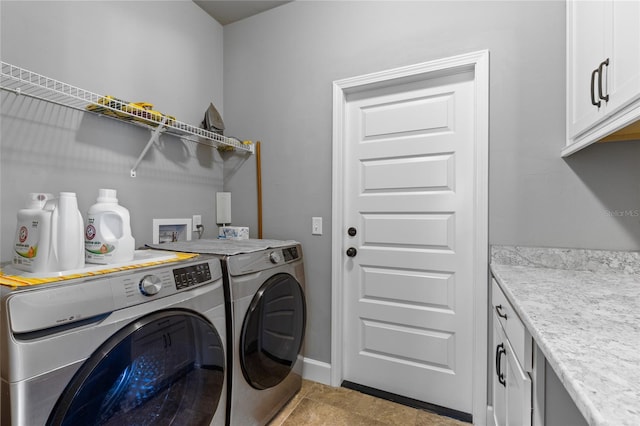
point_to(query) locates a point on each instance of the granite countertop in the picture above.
(582, 308)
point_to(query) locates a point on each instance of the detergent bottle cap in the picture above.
(37, 200)
(107, 196)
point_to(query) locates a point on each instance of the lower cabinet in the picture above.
(512, 386)
(499, 382)
(525, 389)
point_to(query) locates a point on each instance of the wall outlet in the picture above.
(316, 226)
(197, 220)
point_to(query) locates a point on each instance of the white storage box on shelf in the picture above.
(233, 232)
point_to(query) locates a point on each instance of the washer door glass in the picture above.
(273, 331)
(165, 368)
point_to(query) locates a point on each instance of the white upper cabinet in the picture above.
(603, 69)
(585, 49)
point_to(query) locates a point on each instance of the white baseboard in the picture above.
(316, 371)
(490, 421)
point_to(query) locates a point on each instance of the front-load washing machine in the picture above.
(137, 347)
(267, 316)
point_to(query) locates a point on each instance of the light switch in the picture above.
(316, 226)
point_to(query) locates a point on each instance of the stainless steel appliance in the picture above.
(265, 284)
(141, 346)
(268, 316)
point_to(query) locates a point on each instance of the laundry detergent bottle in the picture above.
(107, 237)
(49, 234)
(32, 244)
(67, 233)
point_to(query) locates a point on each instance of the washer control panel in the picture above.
(67, 302)
(165, 281)
(184, 277)
(286, 254)
(191, 275)
(290, 253)
(247, 263)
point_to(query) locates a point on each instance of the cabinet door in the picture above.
(518, 391)
(623, 73)
(514, 329)
(586, 22)
(499, 392)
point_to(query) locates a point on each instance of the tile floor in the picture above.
(317, 404)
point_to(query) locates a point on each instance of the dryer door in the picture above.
(167, 366)
(273, 331)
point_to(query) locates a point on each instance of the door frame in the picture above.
(478, 62)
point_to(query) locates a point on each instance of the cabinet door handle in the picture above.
(499, 312)
(500, 350)
(600, 69)
(593, 89)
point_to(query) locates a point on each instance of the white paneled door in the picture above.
(408, 255)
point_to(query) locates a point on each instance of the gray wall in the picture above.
(166, 53)
(279, 67)
(278, 70)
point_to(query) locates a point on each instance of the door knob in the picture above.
(352, 232)
(351, 252)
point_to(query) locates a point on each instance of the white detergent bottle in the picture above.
(107, 237)
(67, 233)
(32, 244)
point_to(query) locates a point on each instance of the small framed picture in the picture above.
(171, 230)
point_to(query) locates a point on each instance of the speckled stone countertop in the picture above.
(582, 308)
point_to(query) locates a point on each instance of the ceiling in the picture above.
(226, 12)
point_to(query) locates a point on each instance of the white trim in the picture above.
(479, 63)
(619, 120)
(490, 417)
(316, 371)
(337, 227)
(481, 261)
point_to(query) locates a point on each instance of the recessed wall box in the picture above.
(171, 230)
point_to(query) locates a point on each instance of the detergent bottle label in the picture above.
(95, 247)
(26, 243)
(100, 242)
(107, 237)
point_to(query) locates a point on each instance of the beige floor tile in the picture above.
(315, 413)
(317, 405)
(293, 403)
(366, 405)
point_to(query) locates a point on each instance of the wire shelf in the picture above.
(24, 82)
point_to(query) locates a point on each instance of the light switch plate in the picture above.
(316, 226)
